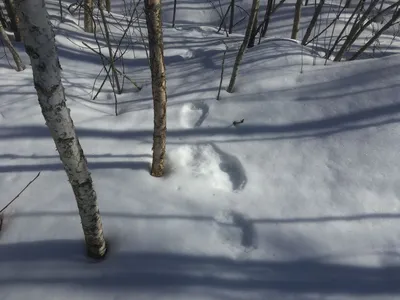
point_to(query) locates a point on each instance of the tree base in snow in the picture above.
(98, 255)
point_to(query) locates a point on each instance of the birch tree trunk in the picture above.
(88, 14)
(250, 25)
(158, 84)
(40, 45)
(296, 19)
(18, 62)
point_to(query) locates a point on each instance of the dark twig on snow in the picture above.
(235, 123)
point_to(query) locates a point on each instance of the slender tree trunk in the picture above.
(296, 19)
(88, 14)
(223, 19)
(390, 23)
(267, 17)
(18, 62)
(250, 25)
(253, 35)
(339, 37)
(355, 31)
(9, 4)
(158, 82)
(61, 10)
(108, 5)
(174, 14)
(107, 36)
(39, 40)
(232, 19)
(313, 21)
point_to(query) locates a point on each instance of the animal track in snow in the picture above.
(194, 114)
(237, 230)
(210, 166)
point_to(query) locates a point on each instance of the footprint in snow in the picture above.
(208, 165)
(237, 230)
(193, 114)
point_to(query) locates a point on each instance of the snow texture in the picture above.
(300, 201)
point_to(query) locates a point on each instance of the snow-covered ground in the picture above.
(300, 201)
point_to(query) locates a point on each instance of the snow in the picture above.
(300, 201)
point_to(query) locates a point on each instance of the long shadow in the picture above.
(318, 128)
(205, 218)
(18, 156)
(58, 166)
(61, 262)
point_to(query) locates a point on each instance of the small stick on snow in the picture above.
(19, 194)
(235, 123)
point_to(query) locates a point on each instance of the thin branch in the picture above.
(19, 194)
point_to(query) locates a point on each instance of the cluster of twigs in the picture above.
(114, 53)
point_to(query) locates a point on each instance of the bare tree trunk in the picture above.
(232, 18)
(108, 5)
(39, 40)
(389, 24)
(339, 37)
(158, 83)
(13, 18)
(174, 14)
(253, 35)
(313, 21)
(18, 62)
(267, 17)
(296, 19)
(355, 31)
(110, 53)
(88, 14)
(250, 25)
(61, 9)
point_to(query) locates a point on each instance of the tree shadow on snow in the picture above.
(61, 262)
(362, 119)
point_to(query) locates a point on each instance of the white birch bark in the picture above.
(40, 45)
(158, 83)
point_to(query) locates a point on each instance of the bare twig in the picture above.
(118, 71)
(19, 194)
(235, 123)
